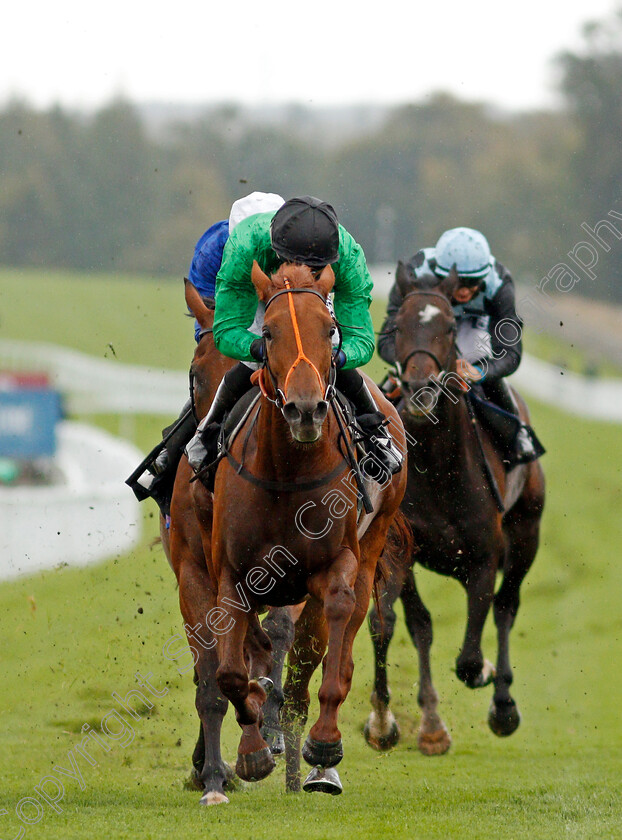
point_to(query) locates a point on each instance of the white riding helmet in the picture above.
(256, 202)
(465, 248)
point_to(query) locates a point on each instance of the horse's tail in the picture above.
(398, 551)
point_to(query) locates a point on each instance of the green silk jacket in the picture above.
(236, 298)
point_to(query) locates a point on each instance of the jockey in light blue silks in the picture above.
(489, 330)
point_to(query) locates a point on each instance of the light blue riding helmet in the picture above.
(468, 249)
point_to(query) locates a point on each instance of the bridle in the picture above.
(281, 394)
(401, 366)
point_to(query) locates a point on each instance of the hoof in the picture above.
(274, 739)
(473, 679)
(434, 743)
(323, 780)
(503, 719)
(324, 753)
(213, 797)
(267, 684)
(255, 766)
(379, 741)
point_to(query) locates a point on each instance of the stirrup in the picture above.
(378, 441)
(386, 452)
(526, 450)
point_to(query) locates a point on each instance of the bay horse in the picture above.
(280, 529)
(457, 524)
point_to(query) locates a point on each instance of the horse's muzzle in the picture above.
(421, 396)
(305, 419)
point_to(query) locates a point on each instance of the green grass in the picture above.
(569, 357)
(71, 637)
(135, 319)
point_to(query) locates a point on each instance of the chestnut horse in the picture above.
(457, 524)
(208, 368)
(281, 528)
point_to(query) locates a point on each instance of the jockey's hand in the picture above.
(468, 372)
(340, 360)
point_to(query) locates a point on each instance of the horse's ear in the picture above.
(449, 284)
(326, 281)
(195, 304)
(261, 281)
(404, 278)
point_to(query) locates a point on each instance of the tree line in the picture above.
(106, 192)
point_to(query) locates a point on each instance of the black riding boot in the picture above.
(524, 446)
(202, 450)
(160, 466)
(370, 419)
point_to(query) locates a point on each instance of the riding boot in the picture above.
(371, 421)
(160, 466)
(524, 445)
(203, 448)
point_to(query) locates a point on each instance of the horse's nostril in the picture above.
(291, 412)
(319, 415)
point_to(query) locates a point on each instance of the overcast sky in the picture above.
(316, 52)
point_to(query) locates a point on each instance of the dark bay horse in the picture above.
(280, 529)
(457, 526)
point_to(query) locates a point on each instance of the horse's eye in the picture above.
(266, 333)
(333, 331)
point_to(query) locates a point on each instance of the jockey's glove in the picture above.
(340, 359)
(256, 349)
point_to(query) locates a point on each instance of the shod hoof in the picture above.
(274, 739)
(323, 780)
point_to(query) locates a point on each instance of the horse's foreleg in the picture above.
(471, 667)
(381, 730)
(336, 588)
(433, 737)
(254, 758)
(279, 625)
(309, 645)
(522, 532)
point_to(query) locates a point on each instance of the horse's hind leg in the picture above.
(433, 738)
(211, 774)
(381, 730)
(279, 625)
(521, 526)
(311, 637)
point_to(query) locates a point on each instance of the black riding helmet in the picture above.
(305, 230)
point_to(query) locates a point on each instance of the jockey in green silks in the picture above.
(306, 231)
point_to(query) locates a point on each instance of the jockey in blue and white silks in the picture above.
(489, 338)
